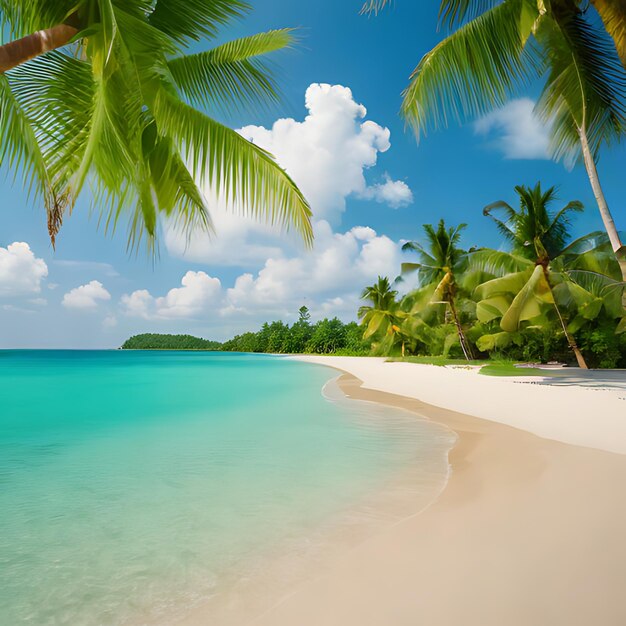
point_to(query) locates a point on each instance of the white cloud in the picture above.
(516, 131)
(86, 297)
(197, 293)
(326, 154)
(395, 193)
(138, 304)
(328, 278)
(20, 271)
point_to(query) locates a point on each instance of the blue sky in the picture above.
(370, 189)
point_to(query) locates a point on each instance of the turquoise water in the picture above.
(135, 483)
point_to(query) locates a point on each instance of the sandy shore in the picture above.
(530, 531)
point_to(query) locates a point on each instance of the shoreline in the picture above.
(528, 530)
(284, 568)
(577, 413)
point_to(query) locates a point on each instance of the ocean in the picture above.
(134, 486)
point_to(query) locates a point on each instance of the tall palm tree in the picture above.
(441, 261)
(544, 271)
(502, 44)
(103, 92)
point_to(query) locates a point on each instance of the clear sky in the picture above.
(338, 133)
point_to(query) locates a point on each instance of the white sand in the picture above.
(581, 415)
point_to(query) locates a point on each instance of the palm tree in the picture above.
(440, 262)
(383, 315)
(103, 92)
(502, 44)
(544, 271)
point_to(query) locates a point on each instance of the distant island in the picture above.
(155, 341)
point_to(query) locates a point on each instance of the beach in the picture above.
(528, 531)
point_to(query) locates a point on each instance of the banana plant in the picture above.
(575, 282)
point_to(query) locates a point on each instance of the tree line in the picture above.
(327, 336)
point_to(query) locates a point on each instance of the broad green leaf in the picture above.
(493, 308)
(529, 302)
(496, 341)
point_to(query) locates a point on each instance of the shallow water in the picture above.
(136, 483)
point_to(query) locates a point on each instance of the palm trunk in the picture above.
(465, 346)
(580, 359)
(607, 218)
(17, 52)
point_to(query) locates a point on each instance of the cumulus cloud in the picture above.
(326, 154)
(515, 131)
(20, 271)
(198, 291)
(395, 193)
(328, 277)
(86, 297)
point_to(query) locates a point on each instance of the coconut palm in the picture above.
(441, 261)
(544, 272)
(502, 44)
(103, 92)
(383, 316)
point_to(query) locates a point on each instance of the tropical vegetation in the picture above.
(105, 94)
(544, 298)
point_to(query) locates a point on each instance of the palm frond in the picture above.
(473, 70)
(375, 6)
(452, 12)
(231, 76)
(585, 87)
(247, 177)
(613, 14)
(191, 20)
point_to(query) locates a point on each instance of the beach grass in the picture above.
(510, 369)
(501, 367)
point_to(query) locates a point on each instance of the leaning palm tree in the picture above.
(502, 44)
(104, 93)
(440, 262)
(544, 272)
